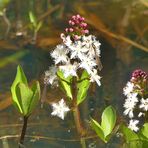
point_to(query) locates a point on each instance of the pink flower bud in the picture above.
(71, 29)
(78, 16)
(70, 22)
(83, 25)
(66, 29)
(76, 37)
(86, 31)
(73, 17)
(82, 19)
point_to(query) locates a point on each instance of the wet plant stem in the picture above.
(21, 141)
(76, 112)
(83, 143)
(7, 22)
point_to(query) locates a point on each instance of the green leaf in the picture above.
(98, 129)
(12, 58)
(134, 144)
(35, 98)
(39, 25)
(108, 120)
(129, 134)
(33, 19)
(65, 83)
(24, 98)
(20, 78)
(24, 95)
(144, 130)
(107, 124)
(3, 4)
(82, 87)
(82, 90)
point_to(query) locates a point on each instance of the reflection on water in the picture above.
(118, 61)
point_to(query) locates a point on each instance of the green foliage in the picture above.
(129, 135)
(24, 98)
(3, 5)
(35, 25)
(82, 87)
(135, 140)
(144, 130)
(65, 83)
(108, 121)
(12, 58)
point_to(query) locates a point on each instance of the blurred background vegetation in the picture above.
(120, 25)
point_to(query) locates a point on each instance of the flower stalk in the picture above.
(76, 111)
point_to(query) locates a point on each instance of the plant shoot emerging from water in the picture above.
(76, 64)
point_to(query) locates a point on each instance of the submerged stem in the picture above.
(21, 141)
(7, 22)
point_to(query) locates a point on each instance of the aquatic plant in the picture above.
(136, 90)
(3, 5)
(136, 103)
(76, 65)
(24, 98)
(108, 121)
(34, 25)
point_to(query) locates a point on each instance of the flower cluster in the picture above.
(77, 28)
(72, 55)
(76, 53)
(136, 102)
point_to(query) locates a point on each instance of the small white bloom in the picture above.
(133, 125)
(69, 69)
(95, 77)
(88, 64)
(60, 54)
(92, 44)
(141, 114)
(77, 50)
(130, 104)
(66, 40)
(144, 104)
(128, 88)
(60, 109)
(50, 75)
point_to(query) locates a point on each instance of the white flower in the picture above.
(60, 109)
(77, 50)
(50, 75)
(141, 114)
(95, 77)
(92, 44)
(69, 69)
(133, 125)
(60, 54)
(128, 88)
(66, 40)
(88, 64)
(144, 104)
(130, 104)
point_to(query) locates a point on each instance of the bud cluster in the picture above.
(78, 27)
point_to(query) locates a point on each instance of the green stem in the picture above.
(83, 143)
(7, 22)
(21, 141)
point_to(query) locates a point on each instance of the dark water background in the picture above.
(118, 58)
